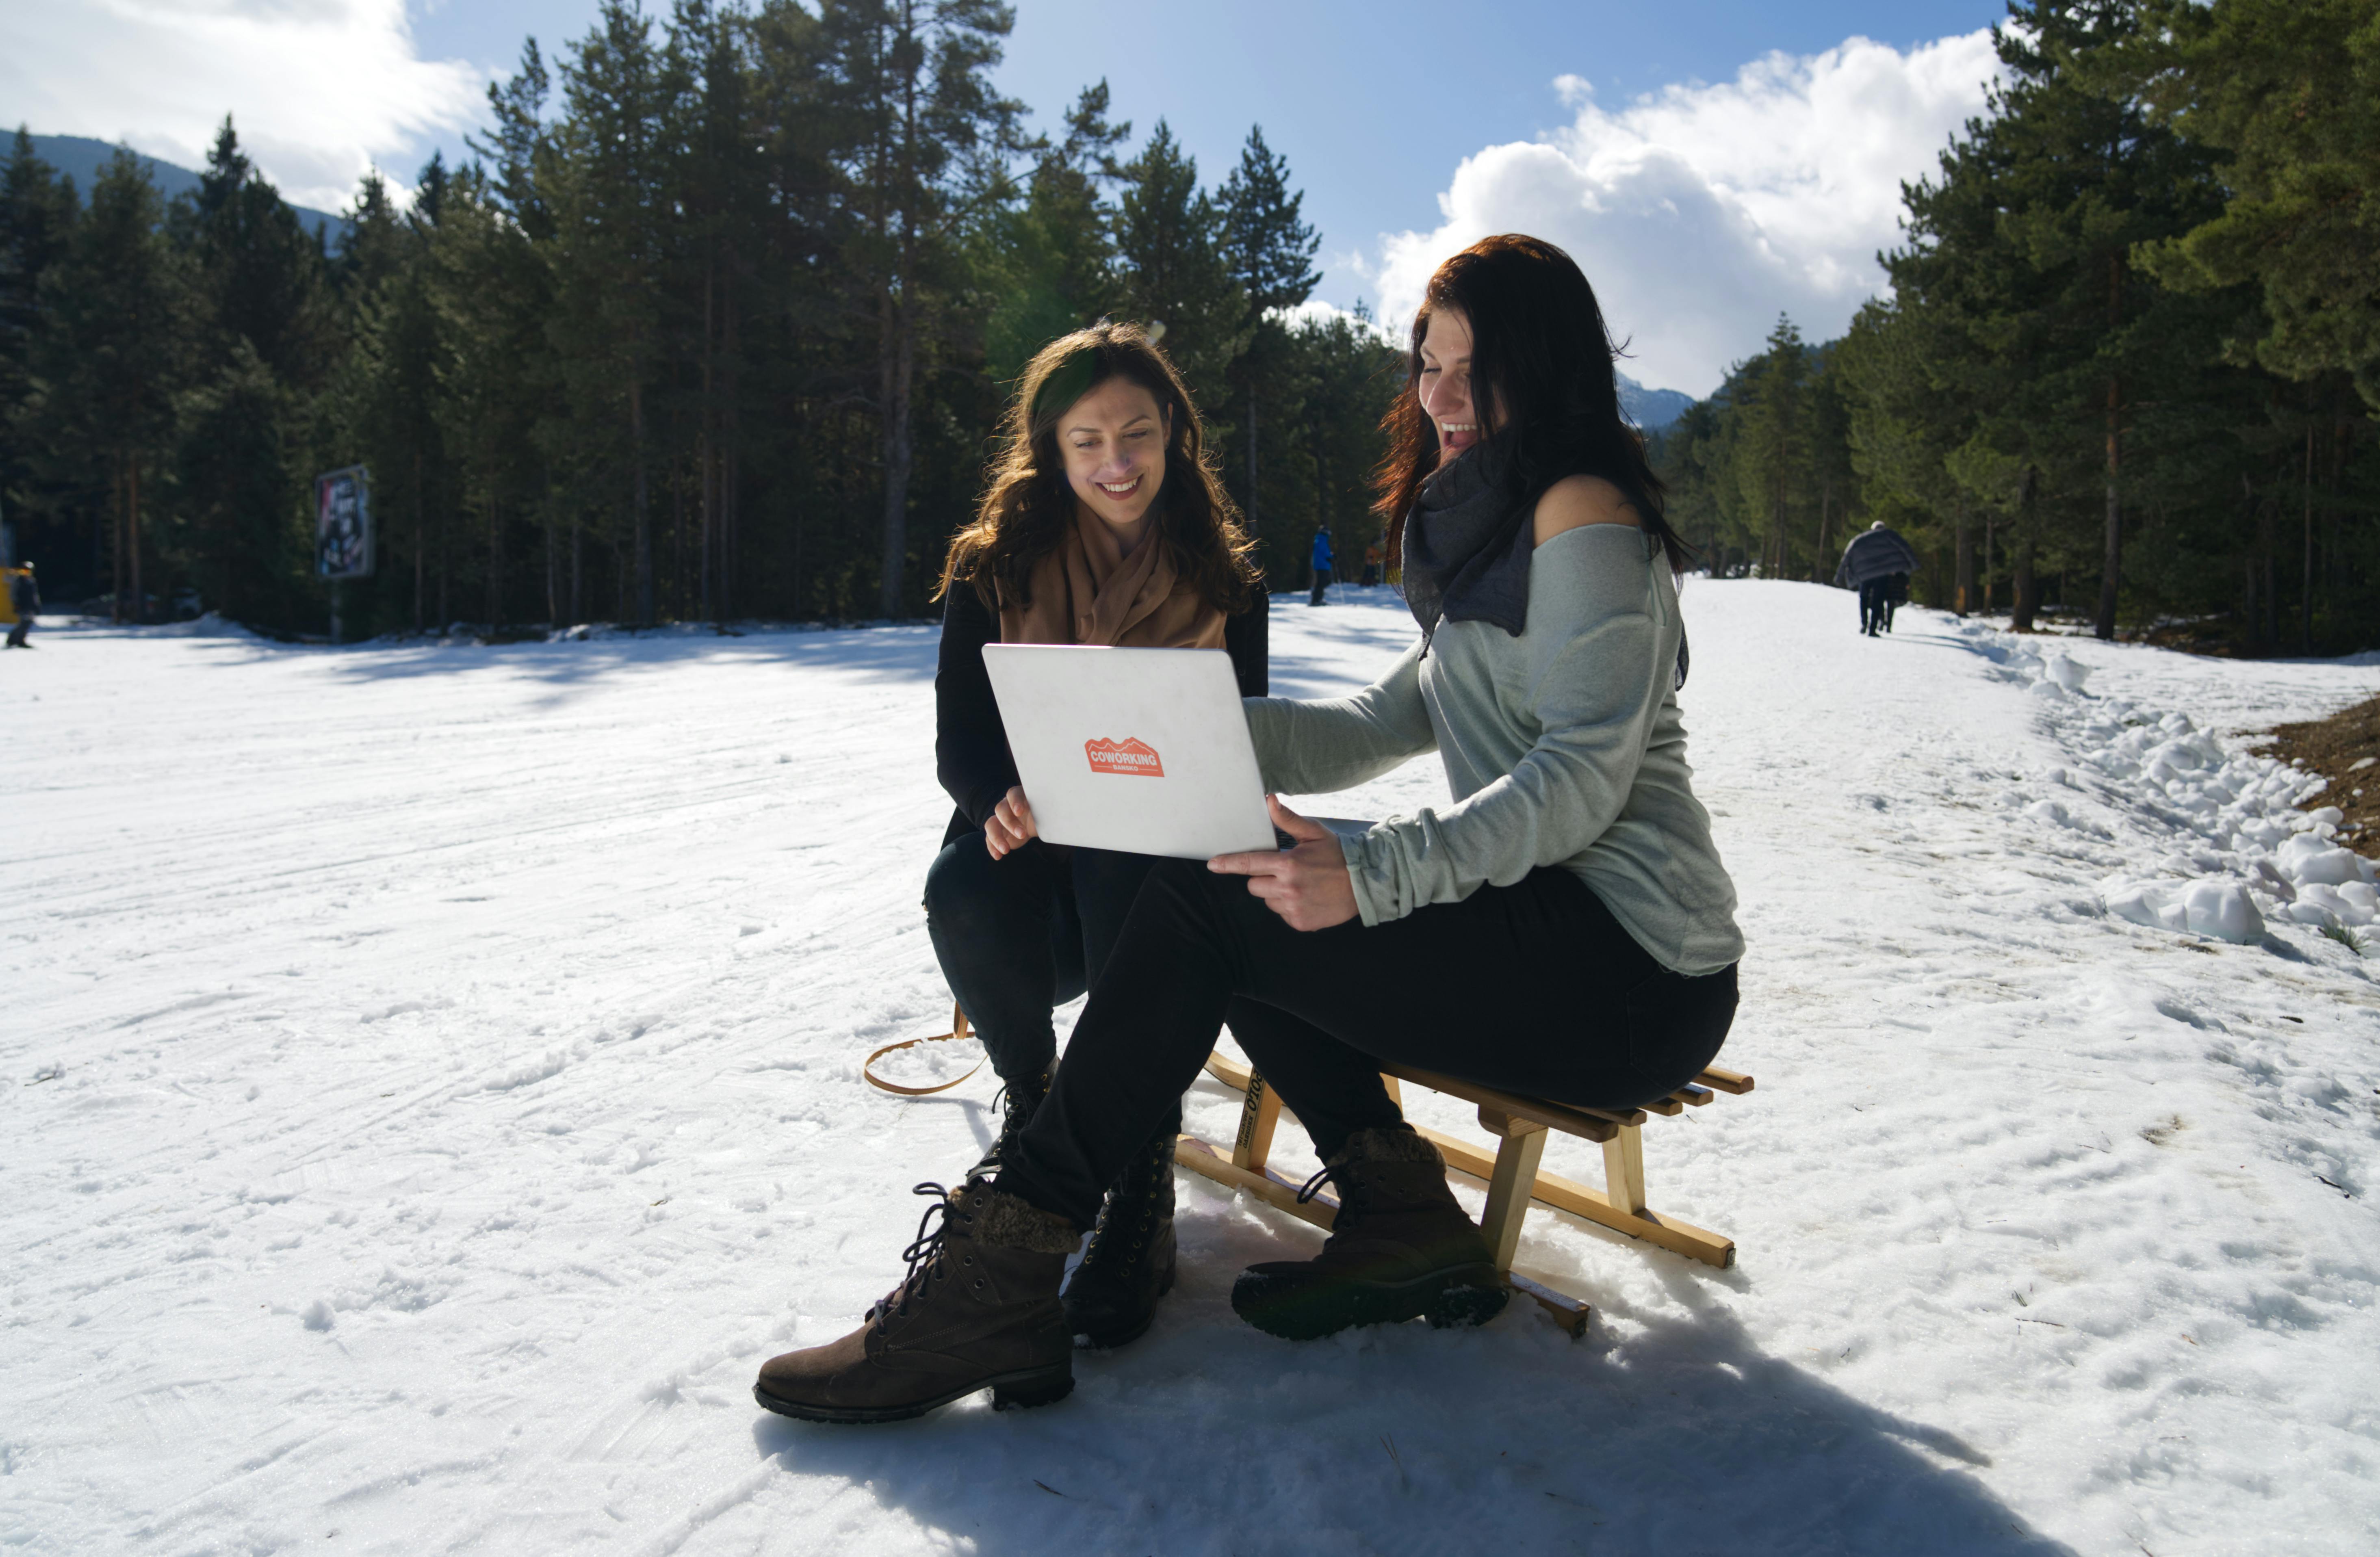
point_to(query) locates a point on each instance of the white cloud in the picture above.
(319, 90)
(1701, 212)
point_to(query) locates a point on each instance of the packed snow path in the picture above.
(431, 1089)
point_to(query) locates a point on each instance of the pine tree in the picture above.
(611, 207)
(1172, 271)
(109, 359)
(1268, 249)
(923, 124)
(2288, 91)
(37, 211)
(1049, 260)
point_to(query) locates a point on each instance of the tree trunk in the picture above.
(2305, 602)
(678, 541)
(2111, 562)
(1252, 459)
(1825, 515)
(496, 564)
(1991, 533)
(132, 537)
(421, 545)
(2026, 592)
(898, 366)
(1962, 544)
(577, 570)
(644, 528)
(707, 477)
(119, 524)
(727, 432)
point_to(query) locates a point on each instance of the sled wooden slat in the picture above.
(1512, 1171)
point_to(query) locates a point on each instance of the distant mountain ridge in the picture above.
(1651, 409)
(79, 158)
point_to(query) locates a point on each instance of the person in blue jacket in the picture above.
(1322, 562)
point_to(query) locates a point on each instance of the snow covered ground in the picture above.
(430, 1090)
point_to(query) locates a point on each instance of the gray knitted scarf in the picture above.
(1467, 544)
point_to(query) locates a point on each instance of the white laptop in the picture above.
(1145, 751)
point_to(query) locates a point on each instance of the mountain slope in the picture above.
(79, 158)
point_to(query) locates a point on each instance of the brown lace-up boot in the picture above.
(979, 1309)
(1401, 1249)
(1111, 1297)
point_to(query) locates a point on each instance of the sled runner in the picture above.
(1511, 1175)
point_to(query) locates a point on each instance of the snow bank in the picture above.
(2250, 853)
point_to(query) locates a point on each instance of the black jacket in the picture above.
(971, 755)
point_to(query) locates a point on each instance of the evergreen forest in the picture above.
(2130, 365)
(718, 320)
(716, 323)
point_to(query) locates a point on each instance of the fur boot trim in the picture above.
(1387, 1146)
(1004, 1222)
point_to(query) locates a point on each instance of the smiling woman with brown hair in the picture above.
(1562, 928)
(1101, 521)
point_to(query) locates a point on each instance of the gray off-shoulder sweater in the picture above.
(1562, 746)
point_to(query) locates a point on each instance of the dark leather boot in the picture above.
(1016, 1102)
(979, 1309)
(1113, 1295)
(1401, 1249)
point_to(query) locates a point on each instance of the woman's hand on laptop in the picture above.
(1308, 884)
(1009, 826)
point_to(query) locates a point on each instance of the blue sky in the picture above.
(1653, 135)
(1373, 104)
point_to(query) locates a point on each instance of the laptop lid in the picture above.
(1145, 751)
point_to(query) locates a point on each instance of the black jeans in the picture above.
(1019, 935)
(1321, 583)
(1534, 988)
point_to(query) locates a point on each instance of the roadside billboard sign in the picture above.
(343, 527)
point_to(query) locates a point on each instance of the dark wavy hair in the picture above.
(1540, 365)
(1027, 504)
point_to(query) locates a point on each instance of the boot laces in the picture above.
(1312, 1186)
(924, 1253)
(1111, 1219)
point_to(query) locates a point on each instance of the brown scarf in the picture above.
(1088, 591)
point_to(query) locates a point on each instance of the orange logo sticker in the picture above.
(1124, 756)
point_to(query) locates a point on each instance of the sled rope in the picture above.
(959, 1029)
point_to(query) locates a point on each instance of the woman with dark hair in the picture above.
(1101, 521)
(1563, 928)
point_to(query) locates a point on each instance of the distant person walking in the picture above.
(24, 603)
(1371, 564)
(1877, 563)
(1322, 560)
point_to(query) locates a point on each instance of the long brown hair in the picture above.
(1026, 504)
(1541, 357)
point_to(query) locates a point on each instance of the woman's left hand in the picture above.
(1308, 884)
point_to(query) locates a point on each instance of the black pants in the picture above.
(1533, 988)
(1019, 935)
(1877, 597)
(1321, 583)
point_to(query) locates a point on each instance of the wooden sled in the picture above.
(1511, 1175)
